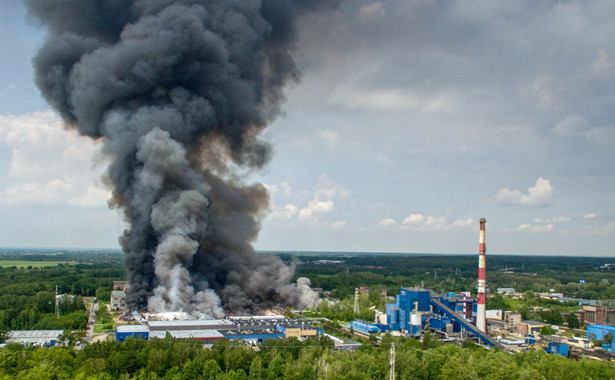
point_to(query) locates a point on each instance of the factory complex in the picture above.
(455, 316)
(417, 309)
(253, 330)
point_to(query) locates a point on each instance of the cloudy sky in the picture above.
(413, 120)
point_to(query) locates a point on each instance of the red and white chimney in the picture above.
(481, 312)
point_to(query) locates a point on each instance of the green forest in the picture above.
(287, 359)
(28, 298)
(444, 273)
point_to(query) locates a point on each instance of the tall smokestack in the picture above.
(480, 307)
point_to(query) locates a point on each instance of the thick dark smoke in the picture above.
(178, 92)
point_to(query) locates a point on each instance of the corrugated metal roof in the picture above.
(131, 329)
(33, 336)
(187, 334)
(190, 324)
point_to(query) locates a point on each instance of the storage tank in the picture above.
(416, 324)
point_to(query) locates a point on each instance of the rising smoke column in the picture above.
(178, 92)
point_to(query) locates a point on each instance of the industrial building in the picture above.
(599, 315)
(366, 328)
(557, 348)
(251, 329)
(126, 331)
(599, 332)
(417, 309)
(42, 338)
(118, 300)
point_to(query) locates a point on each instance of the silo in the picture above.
(416, 324)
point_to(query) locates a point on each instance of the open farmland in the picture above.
(33, 264)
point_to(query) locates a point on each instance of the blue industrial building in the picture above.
(609, 347)
(558, 348)
(411, 302)
(598, 332)
(254, 337)
(122, 332)
(416, 309)
(408, 301)
(364, 327)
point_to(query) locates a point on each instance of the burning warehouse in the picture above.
(253, 329)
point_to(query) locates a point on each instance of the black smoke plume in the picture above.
(178, 92)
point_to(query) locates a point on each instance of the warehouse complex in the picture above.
(253, 330)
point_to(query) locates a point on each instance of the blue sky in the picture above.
(413, 120)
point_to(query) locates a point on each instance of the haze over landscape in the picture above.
(411, 121)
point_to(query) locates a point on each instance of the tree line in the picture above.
(314, 358)
(28, 298)
(579, 277)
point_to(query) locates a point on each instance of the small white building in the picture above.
(380, 317)
(506, 291)
(118, 300)
(493, 314)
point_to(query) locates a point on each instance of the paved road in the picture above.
(91, 320)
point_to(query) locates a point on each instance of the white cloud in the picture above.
(49, 164)
(338, 224)
(379, 157)
(94, 196)
(462, 223)
(572, 125)
(578, 126)
(604, 63)
(413, 219)
(419, 222)
(539, 195)
(387, 222)
(544, 90)
(560, 219)
(371, 12)
(316, 207)
(5, 91)
(590, 216)
(288, 212)
(54, 191)
(329, 137)
(281, 188)
(537, 229)
(434, 223)
(322, 203)
(381, 100)
(328, 189)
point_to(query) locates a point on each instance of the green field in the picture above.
(32, 263)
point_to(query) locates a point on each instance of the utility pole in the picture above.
(57, 304)
(392, 362)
